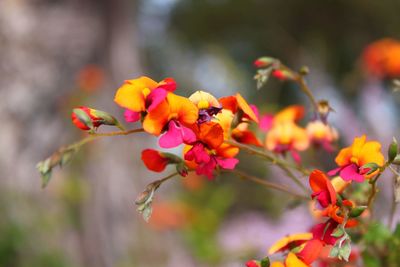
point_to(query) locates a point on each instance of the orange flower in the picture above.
(287, 137)
(321, 134)
(382, 58)
(352, 158)
(241, 134)
(132, 94)
(292, 113)
(209, 152)
(174, 115)
(236, 103)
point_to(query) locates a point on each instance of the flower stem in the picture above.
(284, 165)
(94, 136)
(393, 206)
(267, 184)
(372, 195)
(300, 80)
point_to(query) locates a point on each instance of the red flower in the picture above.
(322, 189)
(154, 160)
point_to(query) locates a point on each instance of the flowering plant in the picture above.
(212, 131)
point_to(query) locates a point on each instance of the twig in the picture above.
(284, 165)
(267, 184)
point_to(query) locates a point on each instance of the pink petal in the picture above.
(323, 231)
(228, 163)
(198, 154)
(131, 116)
(296, 156)
(169, 85)
(188, 135)
(255, 110)
(266, 122)
(155, 98)
(207, 169)
(334, 171)
(172, 138)
(350, 172)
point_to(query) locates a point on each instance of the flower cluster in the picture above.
(212, 131)
(362, 160)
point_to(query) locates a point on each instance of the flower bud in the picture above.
(283, 75)
(392, 151)
(263, 62)
(88, 119)
(357, 211)
(182, 169)
(253, 263)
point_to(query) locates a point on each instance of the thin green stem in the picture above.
(300, 80)
(393, 206)
(284, 165)
(372, 195)
(267, 184)
(94, 136)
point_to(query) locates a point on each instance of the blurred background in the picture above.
(59, 54)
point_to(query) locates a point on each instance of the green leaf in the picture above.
(338, 232)
(345, 250)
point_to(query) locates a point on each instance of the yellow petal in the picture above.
(246, 108)
(371, 152)
(131, 94)
(283, 242)
(182, 109)
(293, 261)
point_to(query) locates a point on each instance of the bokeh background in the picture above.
(59, 54)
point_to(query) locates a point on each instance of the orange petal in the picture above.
(182, 109)
(293, 261)
(344, 156)
(211, 133)
(132, 93)
(230, 103)
(156, 119)
(244, 106)
(320, 182)
(227, 151)
(292, 114)
(311, 251)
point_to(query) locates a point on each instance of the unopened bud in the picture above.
(253, 263)
(357, 211)
(263, 62)
(392, 151)
(283, 75)
(182, 169)
(87, 118)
